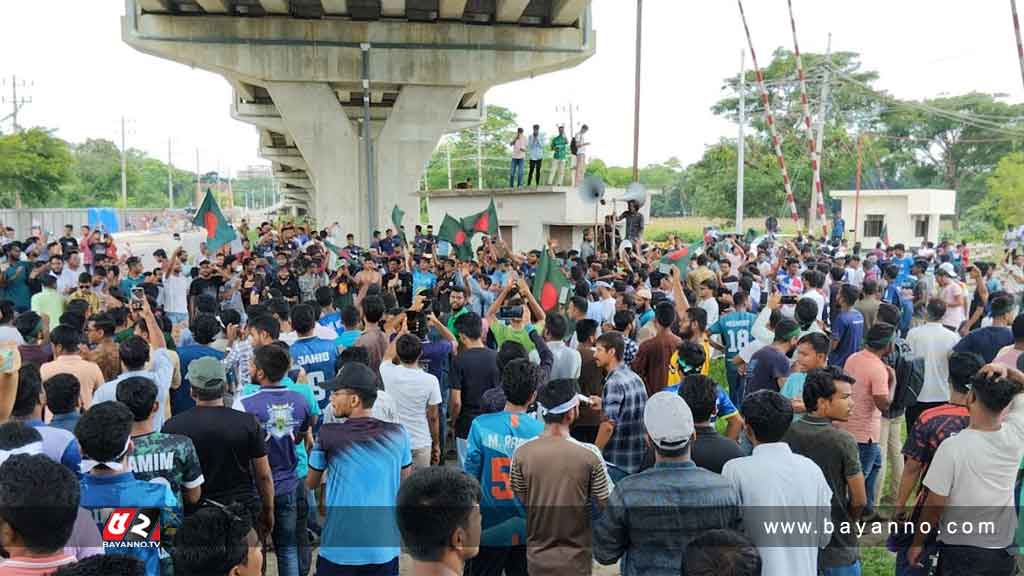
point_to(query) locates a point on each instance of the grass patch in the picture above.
(691, 229)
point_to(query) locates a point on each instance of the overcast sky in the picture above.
(84, 78)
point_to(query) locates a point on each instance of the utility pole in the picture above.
(448, 150)
(741, 144)
(636, 96)
(124, 173)
(16, 102)
(479, 158)
(199, 184)
(818, 187)
(170, 177)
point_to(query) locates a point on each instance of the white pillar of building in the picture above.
(933, 227)
(330, 146)
(422, 114)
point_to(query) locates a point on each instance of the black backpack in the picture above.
(909, 376)
(574, 146)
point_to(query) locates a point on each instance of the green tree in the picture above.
(490, 143)
(1006, 190)
(950, 150)
(34, 164)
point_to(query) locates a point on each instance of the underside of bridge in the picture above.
(351, 96)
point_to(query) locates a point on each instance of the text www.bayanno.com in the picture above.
(861, 529)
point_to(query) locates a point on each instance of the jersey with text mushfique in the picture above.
(316, 357)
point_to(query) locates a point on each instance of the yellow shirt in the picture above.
(675, 374)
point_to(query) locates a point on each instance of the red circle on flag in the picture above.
(210, 223)
(460, 238)
(483, 223)
(548, 296)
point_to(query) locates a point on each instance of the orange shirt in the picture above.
(872, 377)
(89, 375)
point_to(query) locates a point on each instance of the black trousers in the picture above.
(960, 560)
(534, 169)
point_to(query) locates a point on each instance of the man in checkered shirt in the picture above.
(621, 435)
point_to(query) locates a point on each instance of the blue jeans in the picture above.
(176, 317)
(285, 536)
(515, 179)
(461, 445)
(851, 570)
(301, 532)
(870, 465)
(737, 384)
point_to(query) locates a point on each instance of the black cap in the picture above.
(353, 376)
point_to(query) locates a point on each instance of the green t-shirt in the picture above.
(503, 333)
(302, 459)
(453, 318)
(561, 147)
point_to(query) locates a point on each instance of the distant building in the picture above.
(530, 216)
(254, 172)
(910, 217)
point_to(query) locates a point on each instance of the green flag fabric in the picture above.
(680, 258)
(397, 215)
(485, 222)
(451, 231)
(210, 218)
(550, 286)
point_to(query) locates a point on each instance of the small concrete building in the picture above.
(911, 217)
(529, 216)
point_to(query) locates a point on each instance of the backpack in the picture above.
(909, 376)
(574, 146)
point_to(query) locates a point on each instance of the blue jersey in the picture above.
(493, 439)
(333, 321)
(124, 495)
(422, 281)
(285, 417)
(724, 408)
(316, 356)
(735, 329)
(364, 459)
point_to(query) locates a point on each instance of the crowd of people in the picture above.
(297, 392)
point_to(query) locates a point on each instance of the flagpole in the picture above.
(856, 210)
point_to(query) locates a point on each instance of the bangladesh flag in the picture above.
(397, 215)
(681, 258)
(209, 217)
(452, 232)
(550, 286)
(485, 222)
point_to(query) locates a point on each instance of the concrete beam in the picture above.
(330, 146)
(376, 97)
(244, 92)
(565, 12)
(335, 7)
(289, 157)
(215, 6)
(275, 6)
(154, 5)
(523, 52)
(510, 10)
(451, 9)
(420, 117)
(392, 8)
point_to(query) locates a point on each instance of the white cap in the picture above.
(668, 420)
(947, 269)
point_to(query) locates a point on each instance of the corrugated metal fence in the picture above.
(52, 220)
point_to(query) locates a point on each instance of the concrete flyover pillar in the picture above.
(330, 146)
(422, 114)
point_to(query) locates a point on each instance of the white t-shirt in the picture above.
(710, 305)
(414, 390)
(976, 471)
(11, 333)
(934, 343)
(955, 315)
(175, 294)
(819, 299)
